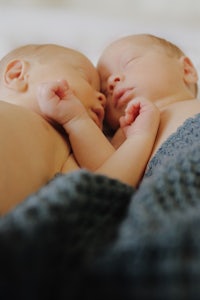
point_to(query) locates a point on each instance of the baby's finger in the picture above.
(132, 111)
(122, 122)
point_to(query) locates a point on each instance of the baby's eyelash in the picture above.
(131, 60)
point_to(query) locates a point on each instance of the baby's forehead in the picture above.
(121, 47)
(134, 45)
(131, 41)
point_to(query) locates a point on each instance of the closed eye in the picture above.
(131, 60)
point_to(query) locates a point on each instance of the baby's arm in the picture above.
(140, 125)
(58, 103)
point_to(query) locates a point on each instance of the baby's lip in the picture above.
(122, 97)
(99, 112)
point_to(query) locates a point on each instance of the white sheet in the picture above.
(90, 32)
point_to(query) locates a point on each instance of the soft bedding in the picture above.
(85, 236)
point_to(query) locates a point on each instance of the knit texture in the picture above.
(185, 136)
(47, 239)
(85, 236)
(157, 252)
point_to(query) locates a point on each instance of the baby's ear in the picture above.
(190, 73)
(15, 75)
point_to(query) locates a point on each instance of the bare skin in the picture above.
(31, 152)
(172, 117)
(142, 66)
(139, 125)
(39, 86)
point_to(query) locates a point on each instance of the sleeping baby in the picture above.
(51, 122)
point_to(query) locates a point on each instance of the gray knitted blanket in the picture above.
(85, 236)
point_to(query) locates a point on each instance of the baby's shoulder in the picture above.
(189, 107)
(172, 117)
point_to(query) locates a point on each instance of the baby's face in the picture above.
(135, 67)
(82, 78)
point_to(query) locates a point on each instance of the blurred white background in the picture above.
(89, 25)
(178, 10)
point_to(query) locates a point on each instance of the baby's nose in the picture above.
(112, 81)
(102, 99)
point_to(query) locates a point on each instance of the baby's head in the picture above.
(23, 69)
(144, 65)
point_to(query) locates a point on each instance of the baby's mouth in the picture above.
(122, 97)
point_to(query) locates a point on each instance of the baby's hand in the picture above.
(141, 116)
(57, 102)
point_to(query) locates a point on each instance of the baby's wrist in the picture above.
(75, 122)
